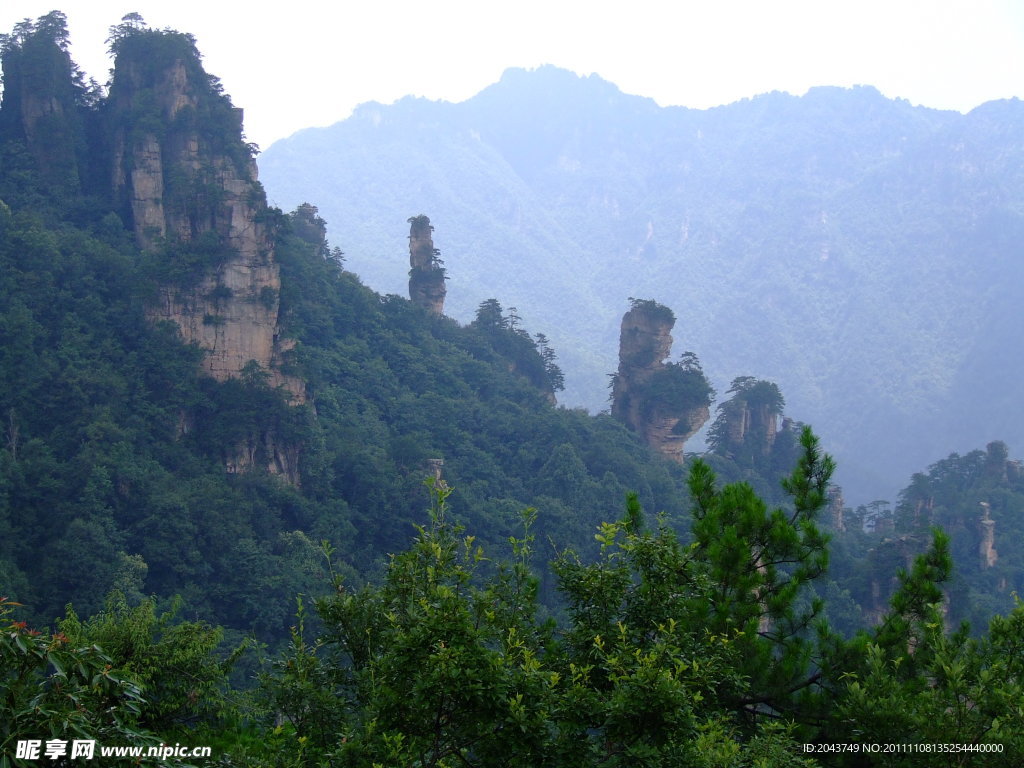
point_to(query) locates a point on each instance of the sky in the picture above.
(293, 67)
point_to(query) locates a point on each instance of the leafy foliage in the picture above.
(636, 648)
(174, 663)
(911, 677)
(675, 388)
(114, 451)
(52, 687)
(446, 662)
(760, 562)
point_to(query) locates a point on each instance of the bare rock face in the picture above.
(426, 271)
(192, 197)
(665, 403)
(282, 459)
(668, 434)
(748, 422)
(645, 340)
(754, 418)
(232, 315)
(180, 190)
(987, 545)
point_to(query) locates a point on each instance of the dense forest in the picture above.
(249, 503)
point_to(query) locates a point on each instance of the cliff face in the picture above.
(165, 148)
(748, 422)
(668, 433)
(426, 273)
(835, 508)
(987, 545)
(665, 403)
(187, 184)
(185, 190)
(756, 419)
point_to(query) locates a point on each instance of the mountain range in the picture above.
(859, 251)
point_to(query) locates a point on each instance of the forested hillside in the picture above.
(249, 503)
(859, 251)
(132, 461)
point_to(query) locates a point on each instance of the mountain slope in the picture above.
(129, 462)
(857, 250)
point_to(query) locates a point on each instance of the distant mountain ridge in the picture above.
(862, 252)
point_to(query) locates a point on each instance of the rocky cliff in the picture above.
(665, 403)
(188, 185)
(164, 150)
(754, 419)
(748, 423)
(426, 270)
(987, 545)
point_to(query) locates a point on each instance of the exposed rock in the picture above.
(180, 190)
(232, 315)
(748, 422)
(665, 403)
(189, 189)
(435, 468)
(758, 419)
(264, 450)
(924, 508)
(426, 270)
(987, 545)
(147, 190)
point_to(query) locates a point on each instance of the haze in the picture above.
(291, 70)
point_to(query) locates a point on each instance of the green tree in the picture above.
(760, 563)
(175, 663)
(910, 682)
(440, 669)
(490, 315)
(447, 664)
(54, 687)
(556, 379)
(646, 682)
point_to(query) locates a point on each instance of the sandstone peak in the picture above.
(665, 403)
(426, 270)
(186, 182)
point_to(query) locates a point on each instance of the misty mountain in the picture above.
(205, 417)
(860, 251)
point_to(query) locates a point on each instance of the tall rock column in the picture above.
(665, 403)
(188, 185)
(426, 270)
(987, 545)
(748, 422)
(186, 181)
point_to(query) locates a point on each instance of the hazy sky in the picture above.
(293, 66)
